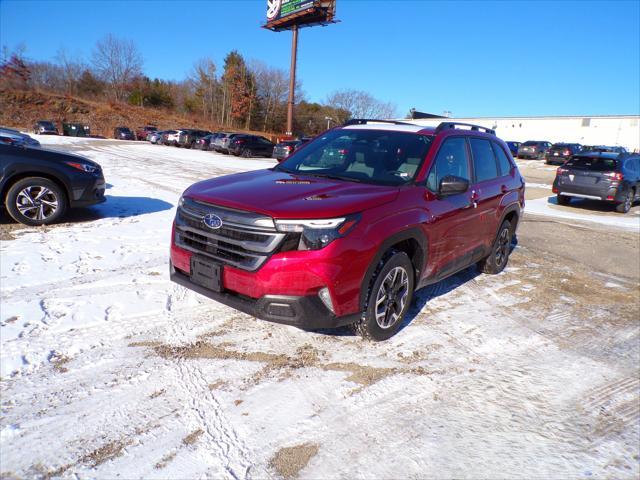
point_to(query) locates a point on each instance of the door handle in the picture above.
(474, 198)
(504, 189)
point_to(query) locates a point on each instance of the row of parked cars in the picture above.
(556, 153)
(233, 143)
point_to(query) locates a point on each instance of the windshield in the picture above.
(380, 157)
(47, 125)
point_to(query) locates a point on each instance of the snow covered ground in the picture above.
(109, 370)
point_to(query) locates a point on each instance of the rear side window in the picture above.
(484, 161)
(593, 164)
(504, 164)
(451, 160)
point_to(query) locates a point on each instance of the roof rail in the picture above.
(445, 125)
(364, 121)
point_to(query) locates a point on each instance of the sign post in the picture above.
(293, 15)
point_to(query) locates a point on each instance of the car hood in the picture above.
(284, 195)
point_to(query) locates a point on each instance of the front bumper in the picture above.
(306, 312)
(87, 192)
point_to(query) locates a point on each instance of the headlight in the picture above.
(181, 202)
(317, 234)
(85, 167)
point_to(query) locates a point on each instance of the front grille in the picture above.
(245, 240)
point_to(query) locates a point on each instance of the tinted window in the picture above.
(593, 164)
(503, 161)
(451, 160)
(370, 156)
(484, 162)
(530, 143)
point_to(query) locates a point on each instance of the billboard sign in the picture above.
(284, 14)
(277, 9)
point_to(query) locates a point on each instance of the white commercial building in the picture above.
(613, 130)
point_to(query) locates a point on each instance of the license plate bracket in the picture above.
(206, 273)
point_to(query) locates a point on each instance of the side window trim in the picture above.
(472, 160)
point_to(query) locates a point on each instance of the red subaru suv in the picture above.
(345, 229)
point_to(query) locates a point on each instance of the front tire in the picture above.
(500, 251)
(246, 153)
(389, 298)
(36, 201)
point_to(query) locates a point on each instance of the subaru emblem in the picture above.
(212, 221)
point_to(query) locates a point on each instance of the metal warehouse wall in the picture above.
(623, 130)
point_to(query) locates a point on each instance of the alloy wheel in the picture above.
(37, 202)
(391, 297)
(502, 248)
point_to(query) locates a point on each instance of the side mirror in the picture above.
(452, 185)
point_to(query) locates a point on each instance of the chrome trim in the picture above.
(580, 195)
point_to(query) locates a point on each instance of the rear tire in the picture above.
(500, 251)
(625, 206)
(389, 298)
(563, 199)
(36, 201)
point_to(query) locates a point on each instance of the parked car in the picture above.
(45, 127)
(189, 137)
(561, 152)
(348, 243)
(204, 143)
(123, 133)
(155, 137)
(605, 176)
(38, 186)
(222, 143)
(513, 148)
(11, 136)
(75, 130)
(171, 137)
(283, 149)
(603, 148)
(143, 132)
(533, 149)
(250, 146)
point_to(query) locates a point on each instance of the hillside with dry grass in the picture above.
(21, 108)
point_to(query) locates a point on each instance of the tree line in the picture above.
(241, 94)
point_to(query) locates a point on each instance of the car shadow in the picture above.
(114, 207)
(424, 295)
(585, 204)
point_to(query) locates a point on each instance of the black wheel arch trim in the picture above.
(412, 233)
(514, 207)
(12, 177)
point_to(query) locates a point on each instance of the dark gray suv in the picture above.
(606, 176)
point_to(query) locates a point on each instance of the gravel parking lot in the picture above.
(110, 370)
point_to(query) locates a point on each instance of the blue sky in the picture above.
(474, 58)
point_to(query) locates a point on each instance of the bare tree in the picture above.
(117, 61)
(71, 71)
(205, 82)
(360, 105)
(272, 88)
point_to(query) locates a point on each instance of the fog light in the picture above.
(325, 296)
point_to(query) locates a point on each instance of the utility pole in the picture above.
(292, 80)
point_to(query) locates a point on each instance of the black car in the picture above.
(37, 186)
(561, 152)
(533, 149)
(189, 137)
(75, 130)
(204, 143)
(513, 148)
(603, 148)
(606, 176)
(45, 127)
(250, 146)
(123, 133)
